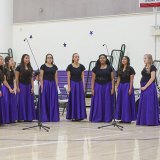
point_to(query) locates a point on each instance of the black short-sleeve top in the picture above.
(125, 75)
(25, 75)
(76, 73)
(10, 76)
(146, 75)
(49, 72)
(103, 76)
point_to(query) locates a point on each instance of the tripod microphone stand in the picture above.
(113, 123)
(39, 125)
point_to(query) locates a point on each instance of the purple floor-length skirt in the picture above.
(125, 106)
(2, 113)
(49, 108)
(11, 110)
(102, 103)
(148, 107)
(76, 109)
(26, 107)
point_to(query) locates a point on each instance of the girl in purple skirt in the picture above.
(76, 109)
(125, 106)
(2, 113)
(148, 105)
(25, 90)
(102, 103)
(9, 92)
(49, 94)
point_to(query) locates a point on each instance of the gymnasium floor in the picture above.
(79, 141)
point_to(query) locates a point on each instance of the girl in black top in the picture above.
(25, 89)
(102, 91)
(148, 113)
(9, 92)
(2, 111)
(49, 98)
(125, 106)
(76, 109)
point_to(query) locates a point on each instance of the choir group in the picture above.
(17, 92)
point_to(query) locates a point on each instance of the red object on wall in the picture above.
(155, 3)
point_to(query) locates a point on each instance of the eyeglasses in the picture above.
(49, 58)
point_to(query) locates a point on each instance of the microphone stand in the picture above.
(114, 123)
(40, 125)
(106, 49)
(108, 55)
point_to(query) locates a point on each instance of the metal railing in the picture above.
(89, 76)
(115, 60)
(157, 65)
(10, 53)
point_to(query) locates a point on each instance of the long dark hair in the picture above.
(51, 56)
(8, 70)
(1, 71)
(22, 66)
(22, 62)
(120, 71)
(98, 63)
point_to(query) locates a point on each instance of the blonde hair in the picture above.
(150, 59)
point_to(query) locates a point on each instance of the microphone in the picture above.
(29, 37)
(106, 48)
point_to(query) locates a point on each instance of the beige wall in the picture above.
(29, 10)
(48, 37)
